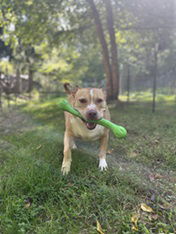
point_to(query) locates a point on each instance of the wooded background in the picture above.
(127, 47)
(124, 46)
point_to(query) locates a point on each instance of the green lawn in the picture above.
(36, 198)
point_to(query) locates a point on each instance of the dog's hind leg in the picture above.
(66, 164)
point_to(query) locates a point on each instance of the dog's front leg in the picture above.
(66, 164)
(103, 148)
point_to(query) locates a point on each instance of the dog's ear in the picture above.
(69, 89)
(104, 92)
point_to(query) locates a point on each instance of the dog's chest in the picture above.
(80, 130)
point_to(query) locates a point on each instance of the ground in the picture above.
(136, 194)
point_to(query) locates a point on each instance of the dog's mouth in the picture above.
(90, 125)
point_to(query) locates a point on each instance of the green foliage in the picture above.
(6, 67)
(63, 37)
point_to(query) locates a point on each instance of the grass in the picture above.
(162, 96)
(36, 198)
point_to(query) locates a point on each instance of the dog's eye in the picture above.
(83, 100)
(99, 100)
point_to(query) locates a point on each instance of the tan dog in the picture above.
(91, 103)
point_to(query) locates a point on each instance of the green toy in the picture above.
(118, 131)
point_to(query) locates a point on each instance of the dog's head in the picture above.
(90, 102)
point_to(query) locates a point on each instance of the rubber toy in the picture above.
(119, 131)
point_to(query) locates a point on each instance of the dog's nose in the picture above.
(92, 114)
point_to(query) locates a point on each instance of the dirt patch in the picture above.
(13, 121)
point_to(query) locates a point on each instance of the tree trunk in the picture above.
(155, 77)
(0, 98)
(0, 93)
(30, 79)
(128, 82)
(113, 48)
(18, 82)
(105, 52)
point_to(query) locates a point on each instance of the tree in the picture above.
(105, 52)
(113, 49)
(73, 43)
(109, 59)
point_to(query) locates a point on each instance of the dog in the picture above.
(91, 103)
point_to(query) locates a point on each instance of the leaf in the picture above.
(146, 208)
(156, 141)
(158, 176)
(28, 202)
(99, 228)
(165, 205)
(133, 154)
(27, 205)
(151, 177)
(134, 219)
(154, 177)
(134, 228)
(38, 147)
(153, 217)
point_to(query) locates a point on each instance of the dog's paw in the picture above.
(65, 169)
(102, 164)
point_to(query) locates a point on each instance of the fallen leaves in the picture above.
(144, 211)
(133, 154)
(28, 202)
(134, 228)
(146, 208)
(155, 176)
(145, 215)
(153, 217)
(99, 228)
(165, 205)
(134, 220)
(38, 147)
